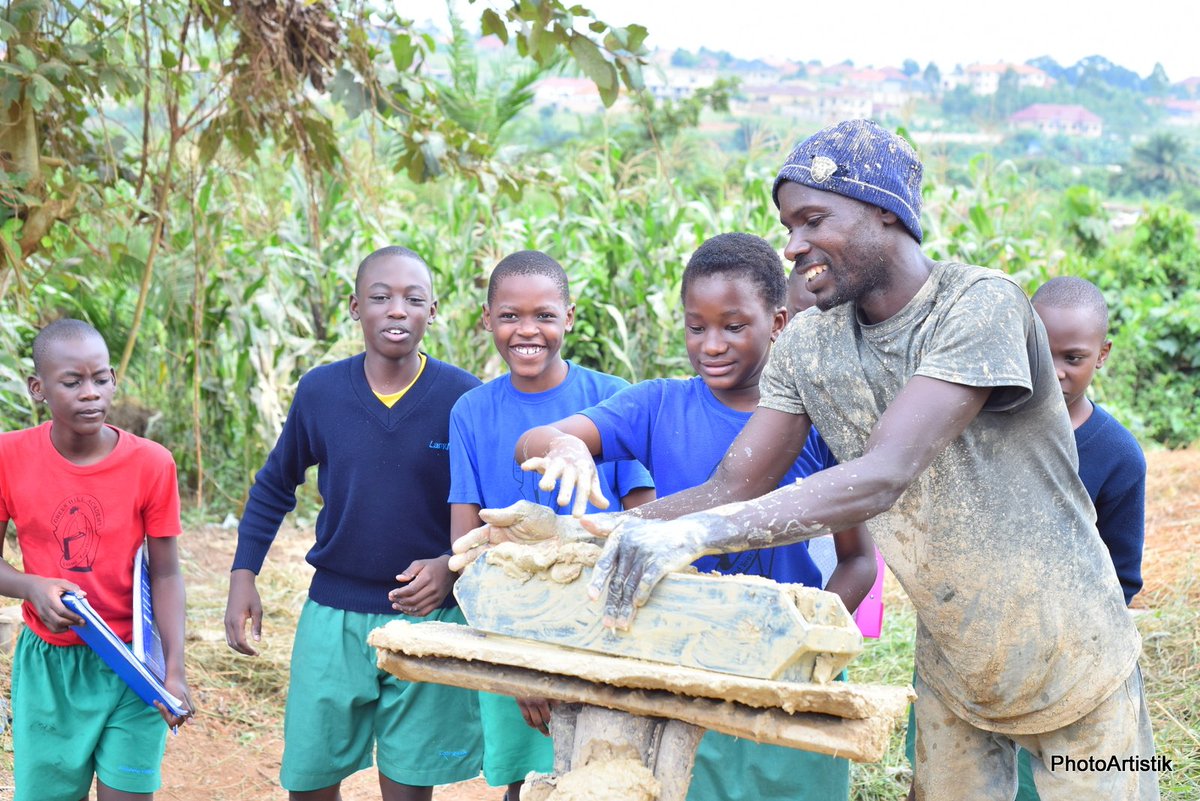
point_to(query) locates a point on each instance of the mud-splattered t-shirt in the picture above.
(1022, 627)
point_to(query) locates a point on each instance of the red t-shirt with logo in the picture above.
(84, 523)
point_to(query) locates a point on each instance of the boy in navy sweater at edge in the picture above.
(1111, 463)
(377, 426)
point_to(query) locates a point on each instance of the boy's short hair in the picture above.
(529, 262)
(1070, 292)
(391, 251)
(743, 256)
(65, 329)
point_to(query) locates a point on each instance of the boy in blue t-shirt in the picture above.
(733, 296)
(377, 426)
(528, 312)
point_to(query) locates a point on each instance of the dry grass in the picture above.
(231, 751)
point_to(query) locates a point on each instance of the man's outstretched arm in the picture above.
(925, 417)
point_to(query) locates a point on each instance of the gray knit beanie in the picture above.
(860, 160)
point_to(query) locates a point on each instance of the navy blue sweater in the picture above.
(383, 474)
(1113, 469)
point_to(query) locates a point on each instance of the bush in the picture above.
(1150, 281)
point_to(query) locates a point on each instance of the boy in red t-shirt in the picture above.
(84, 495)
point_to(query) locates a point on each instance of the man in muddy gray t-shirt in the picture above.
(933, 385)
(1022, 624)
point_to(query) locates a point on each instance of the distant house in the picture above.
(673, 83)
(1053, 120)
(575, 95)
(1191, 86)
(984, 79)
(798, 101)
(1182, 112)
(889, 88)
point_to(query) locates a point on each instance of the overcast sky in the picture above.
(876, 33)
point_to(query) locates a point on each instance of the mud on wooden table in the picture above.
(739, 655)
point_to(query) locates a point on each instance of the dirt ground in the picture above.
(231, 751)
(1172, 524)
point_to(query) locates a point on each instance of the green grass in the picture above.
(1171, 669)
(888, 660)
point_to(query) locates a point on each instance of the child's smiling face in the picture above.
(729, 330)
(528, 320)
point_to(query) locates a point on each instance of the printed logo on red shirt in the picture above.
(76, 523)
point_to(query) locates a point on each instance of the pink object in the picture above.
(869, 615)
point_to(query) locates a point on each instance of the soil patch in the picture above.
(1171, 558)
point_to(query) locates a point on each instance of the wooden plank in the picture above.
(863, 740)
(740, 625)
(839, 698)
(675, 757)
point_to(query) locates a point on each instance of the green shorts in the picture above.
(511, 748)
(341, 708)
(74, 718)
(730, 769)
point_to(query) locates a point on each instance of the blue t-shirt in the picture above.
(487, 421)
(678, 429)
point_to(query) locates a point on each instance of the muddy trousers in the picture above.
(1107, 755)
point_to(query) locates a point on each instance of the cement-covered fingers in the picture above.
(569, 464)
(522, 522)
(637, 555)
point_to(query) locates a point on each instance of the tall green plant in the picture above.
(994, 221)
(1150, 281)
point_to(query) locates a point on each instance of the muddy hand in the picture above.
(637, 555)
(522, 522)
(569, 464)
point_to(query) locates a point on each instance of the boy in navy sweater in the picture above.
(377, 426)
(1111, 463)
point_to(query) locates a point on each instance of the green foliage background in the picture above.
(219, 237)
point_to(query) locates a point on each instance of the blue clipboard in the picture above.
(101, 639)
